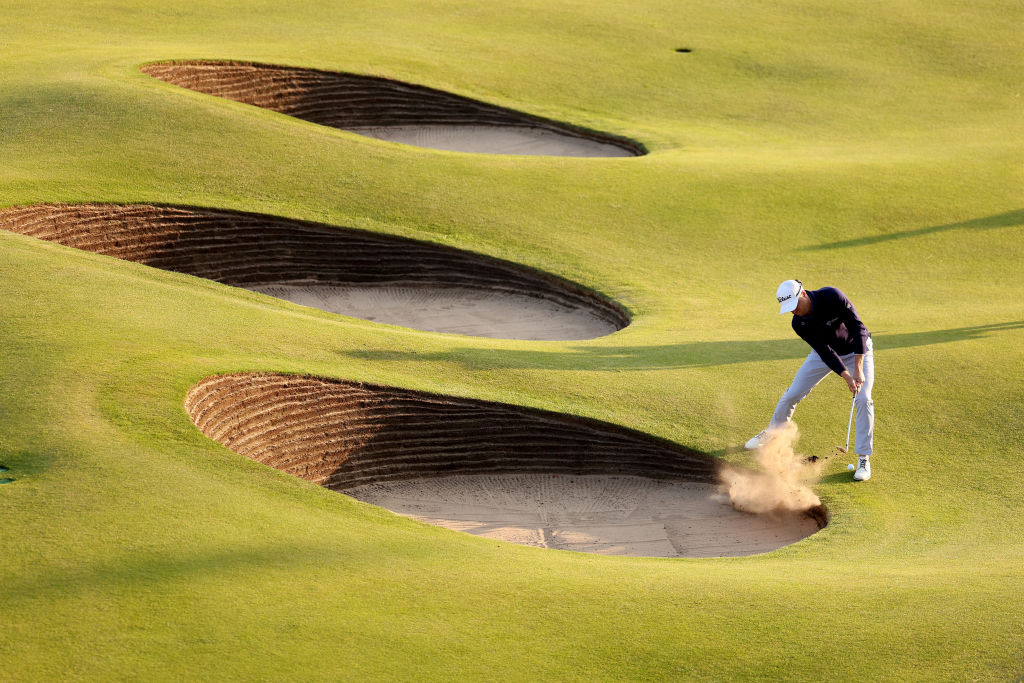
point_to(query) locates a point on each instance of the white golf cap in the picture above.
(788, 294)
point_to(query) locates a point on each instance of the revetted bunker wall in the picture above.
(245, 249)
(341, 434)
(349, 101)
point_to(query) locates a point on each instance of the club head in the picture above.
(841, 449)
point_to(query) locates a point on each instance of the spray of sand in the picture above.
(782, 482)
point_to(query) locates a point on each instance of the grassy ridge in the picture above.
(875, 148)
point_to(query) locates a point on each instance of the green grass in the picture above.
(875, 147)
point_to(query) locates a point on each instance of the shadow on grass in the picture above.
(142, 569)
(668, 356)
(1003, 220)
(845, 477)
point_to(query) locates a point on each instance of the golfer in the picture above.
(825, 319)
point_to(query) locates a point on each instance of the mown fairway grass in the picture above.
(872, 146)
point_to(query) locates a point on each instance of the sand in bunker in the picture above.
(455, 310)
(610, 515)
(482, 139)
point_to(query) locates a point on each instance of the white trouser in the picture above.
(811, 373)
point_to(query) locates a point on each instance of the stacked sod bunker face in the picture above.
(351, 272)
(391, 110)
(496, 470)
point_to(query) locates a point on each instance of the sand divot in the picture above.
(391, 110)
(509, 473)
(340, 270)
(782, 483)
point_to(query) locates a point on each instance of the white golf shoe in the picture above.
(863, 472)
(758, 441)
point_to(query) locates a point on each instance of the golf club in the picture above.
(849, 424)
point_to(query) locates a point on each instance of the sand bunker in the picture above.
(391, 110)
(340, 270)
(515, 474)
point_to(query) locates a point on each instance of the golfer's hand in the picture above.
(853, 383)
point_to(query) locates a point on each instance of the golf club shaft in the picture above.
(849, 424)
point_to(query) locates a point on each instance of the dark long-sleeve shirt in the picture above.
(832, 328)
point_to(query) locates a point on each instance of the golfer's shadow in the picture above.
(1010, 219)
(666, 356)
